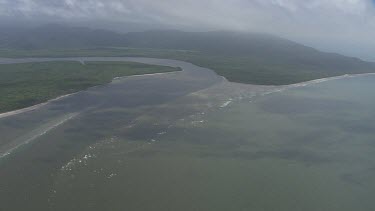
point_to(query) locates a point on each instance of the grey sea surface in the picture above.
(191, 140)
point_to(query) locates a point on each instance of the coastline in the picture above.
(321, 80)
(34, 107)
(282, 87)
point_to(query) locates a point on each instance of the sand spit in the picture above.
(31, 108)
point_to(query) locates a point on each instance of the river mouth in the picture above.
(191, 140)
(126, 93)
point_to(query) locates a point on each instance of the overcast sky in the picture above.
(345, 26)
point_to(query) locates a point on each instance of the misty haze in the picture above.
(187, 105)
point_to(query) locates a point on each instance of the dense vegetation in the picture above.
(240, 57)
(23, 85)
(242, 69)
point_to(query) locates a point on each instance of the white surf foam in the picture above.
(225, 104)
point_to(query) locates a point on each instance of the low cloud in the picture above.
(337, 25)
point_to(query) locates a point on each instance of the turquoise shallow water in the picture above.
(305, 148)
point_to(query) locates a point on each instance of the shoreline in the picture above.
(282, 87)
(31, 108)
(302, 84)
(34, 107)
(321, 80)
(140, 75)
(316, 81)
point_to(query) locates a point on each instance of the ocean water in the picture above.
(195, 146)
